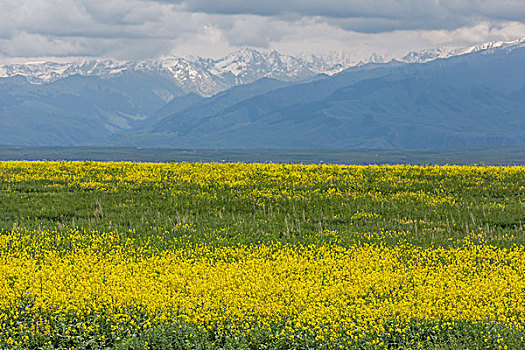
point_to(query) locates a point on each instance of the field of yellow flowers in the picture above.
(261, 256)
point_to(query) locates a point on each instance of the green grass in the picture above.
(481, 206)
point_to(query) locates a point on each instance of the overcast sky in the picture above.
(132, 29)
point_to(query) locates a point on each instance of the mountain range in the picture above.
(438, 98)
(204, 76)
(207, 77)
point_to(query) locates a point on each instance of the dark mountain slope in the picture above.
(159, 130)
(468, 100)
(218, 103)
(78, 109)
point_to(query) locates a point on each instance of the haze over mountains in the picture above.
(439, 98)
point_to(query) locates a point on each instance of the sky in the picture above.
(33, 30)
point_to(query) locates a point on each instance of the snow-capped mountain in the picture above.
(47, 72)
(446, 52)
(206, 76)
(474, 98)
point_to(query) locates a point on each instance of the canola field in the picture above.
(261, 256)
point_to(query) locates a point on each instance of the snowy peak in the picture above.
(330, 64)
(446, 52)
(247, 65)
(46, 72)
(490, 46)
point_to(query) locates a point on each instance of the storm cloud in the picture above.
(148, 28)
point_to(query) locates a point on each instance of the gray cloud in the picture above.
(372, 16)
(146, 28)
(129, 28)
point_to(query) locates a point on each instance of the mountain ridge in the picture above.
(206, 76)
(467, 100)
(476, 98)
